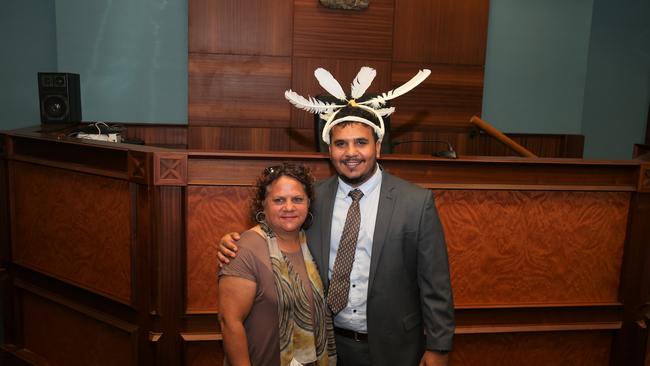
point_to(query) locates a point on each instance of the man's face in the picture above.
(354, 152)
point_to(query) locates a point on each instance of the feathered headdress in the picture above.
(362, 81)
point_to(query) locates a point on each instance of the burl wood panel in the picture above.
(451, 95)
(73, 226)
(322, 32)
(211, 213)
(203, 353)
(305, 84)
(441, 31)
(532, 349)
(252, 27)
(66, 337)
(238, 91)
(524, 247)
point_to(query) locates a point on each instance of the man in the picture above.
(398, 288)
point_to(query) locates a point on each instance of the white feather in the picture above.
(385, 111)
(363, 80)
(312, 105)
(327, 81)
(405, 88)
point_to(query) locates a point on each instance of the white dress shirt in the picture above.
(353, 316)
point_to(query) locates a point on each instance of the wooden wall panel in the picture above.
(441, 31)
(450, 96)
(234, 138)
(229, 90)
(73, 226)
(158, 134)
(468, 142)
(211, 213)
(74, 337)
(252, 27)
(234, 83)
(322, 32)
(533, 349)
(203, 353)
(524, 247)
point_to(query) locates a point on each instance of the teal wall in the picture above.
(131, 55)
(618, 78)
(536, 65)
(552, 66)
(28, 39)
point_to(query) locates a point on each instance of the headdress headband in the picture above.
(328, 111)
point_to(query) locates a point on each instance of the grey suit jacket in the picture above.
(409, 291)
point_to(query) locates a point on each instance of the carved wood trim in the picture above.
(139, 167)
(170, 169)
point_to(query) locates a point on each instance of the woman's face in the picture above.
(286, 205)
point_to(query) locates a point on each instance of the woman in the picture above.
(271, 305)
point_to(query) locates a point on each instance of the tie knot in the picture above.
(356, 194)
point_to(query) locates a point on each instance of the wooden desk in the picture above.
(109, 252)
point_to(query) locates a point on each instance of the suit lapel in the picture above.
(327, 200)
(382, 225)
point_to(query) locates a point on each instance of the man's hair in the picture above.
(357, 112)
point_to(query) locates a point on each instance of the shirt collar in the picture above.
(367, 187)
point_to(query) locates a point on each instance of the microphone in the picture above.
(450, 153)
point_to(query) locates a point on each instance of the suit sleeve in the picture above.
(433, 280)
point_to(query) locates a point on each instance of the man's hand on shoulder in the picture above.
(227, 248)
(434, 358)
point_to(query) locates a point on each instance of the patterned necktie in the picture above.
(337, 295)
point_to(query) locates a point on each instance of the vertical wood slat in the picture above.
(635, 281)
(169, 236)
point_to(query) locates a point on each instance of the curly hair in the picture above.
(298, 172)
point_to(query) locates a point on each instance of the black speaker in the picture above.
(60, 97)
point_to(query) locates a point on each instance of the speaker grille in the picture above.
(59, 96)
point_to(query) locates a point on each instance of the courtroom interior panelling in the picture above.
(244, 55)
(240, 138)
(73, 226)
(450, 96)
(234, 90)
(234, 27)
(334, 33)
(56, 332)
(158, 135)
(205, 353)
(534, 247)
(441, 31)
(579, 348)
(211, 213)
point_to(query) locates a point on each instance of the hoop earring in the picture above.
(260, 220)
(309, 220)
